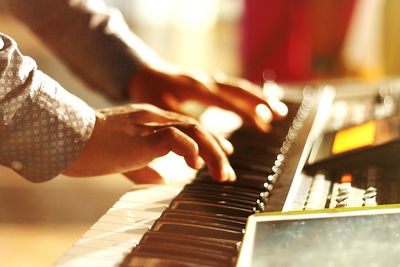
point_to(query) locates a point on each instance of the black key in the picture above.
(217, 201)
(210, 208)
(228, 198)
(196, 230)
(242, 181)
(220, 216)
(240, 191)
(223, 193)
(225, 246)
(209, 224)
(173, 255)
(173, 214)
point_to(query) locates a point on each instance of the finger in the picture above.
(226, 146)
(246, 105)
(211, 152)
(148, 128)
(146, 175)
(167, 139)
(258, 116)
(148, 113)
(248, 111)
(242, 88)
(250, 94)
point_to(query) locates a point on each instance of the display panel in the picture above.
(375, 141)
(347, 238)
(354, 137)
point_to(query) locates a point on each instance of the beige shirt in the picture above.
(43, 127)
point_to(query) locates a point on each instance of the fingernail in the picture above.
(264, 115)
(229, 173)
(228, 147)
(199, 163)
(279, 107)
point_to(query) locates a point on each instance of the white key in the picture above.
(114, 236)
(75, 261)
(105, 244)
(138, 216)
(111, 255)
(168, 188)
(151, 195)
(129, 220)
(147, 196)
(119, 228)
(154, 207)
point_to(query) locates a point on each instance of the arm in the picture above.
(92, 39)
(42, 127)
(98, 45)
(44, 130)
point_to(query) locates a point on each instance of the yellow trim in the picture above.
(333, 210)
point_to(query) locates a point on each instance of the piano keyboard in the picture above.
(201, 223)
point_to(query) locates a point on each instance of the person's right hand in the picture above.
(169, 86)
(127, 138)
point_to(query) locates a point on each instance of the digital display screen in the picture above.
(358, 143)
(367, 240)
(355, 137)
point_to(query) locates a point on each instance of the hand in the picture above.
(168, 87)
(127, 138)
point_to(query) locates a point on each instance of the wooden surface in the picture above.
(39, 222)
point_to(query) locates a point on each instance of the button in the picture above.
(371, 189)
(16, 165)
(369, 195)
(342, 198)
(341, 205)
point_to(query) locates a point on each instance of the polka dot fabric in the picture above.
(42, 126)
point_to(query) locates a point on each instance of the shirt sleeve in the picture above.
(91, 38)
(42, 126)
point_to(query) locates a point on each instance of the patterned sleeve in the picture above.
(91, 38)
(42, 126)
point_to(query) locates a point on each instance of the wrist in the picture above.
(144, 79)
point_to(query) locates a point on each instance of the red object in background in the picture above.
(283, 37)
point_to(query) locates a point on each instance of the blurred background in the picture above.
(289, 41)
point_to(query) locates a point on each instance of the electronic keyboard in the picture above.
(202, 223)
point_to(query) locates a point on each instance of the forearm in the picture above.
(93, 40)
(42, 127)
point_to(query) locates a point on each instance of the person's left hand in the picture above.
(169, 86)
